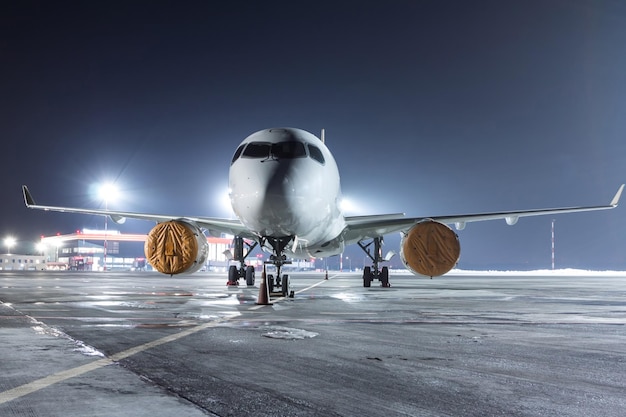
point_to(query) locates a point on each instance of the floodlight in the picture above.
(40, 247)
(9, 242)
(108, 191)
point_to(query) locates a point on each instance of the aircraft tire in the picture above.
(233, 275)
(384, 277)
(367, 277)
(249, 275)
(285, 285)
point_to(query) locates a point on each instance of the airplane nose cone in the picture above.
(265, 202)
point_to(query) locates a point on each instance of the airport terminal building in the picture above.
(85, 251)
(9, 261)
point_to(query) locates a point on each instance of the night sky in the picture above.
(430, 108)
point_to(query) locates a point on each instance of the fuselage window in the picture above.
(316, 154)
(285, 150)
(238, 153)
(257, 150)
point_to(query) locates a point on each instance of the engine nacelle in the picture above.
(175, 247)
(430, 248)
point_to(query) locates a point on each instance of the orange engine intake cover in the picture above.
(172, 247)
(430, 248)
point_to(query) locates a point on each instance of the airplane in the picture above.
(285, 191)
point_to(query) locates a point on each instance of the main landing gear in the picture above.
(374, 272)
(240, 255)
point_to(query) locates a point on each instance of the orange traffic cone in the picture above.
(264, 294)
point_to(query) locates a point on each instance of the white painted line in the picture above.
(334, 313)
(315, 285)
(258, 306)
(45, 382)
(297, 292)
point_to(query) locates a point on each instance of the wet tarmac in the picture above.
(144, 344)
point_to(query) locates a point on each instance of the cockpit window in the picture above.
(257, 150)
(237, 153)
(316, 153)
(284, 150)
(280, 150)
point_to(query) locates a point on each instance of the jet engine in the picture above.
(175, 247)
(430, 248)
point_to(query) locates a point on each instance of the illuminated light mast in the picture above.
(107, 191)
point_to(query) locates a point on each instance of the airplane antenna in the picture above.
(322, 136)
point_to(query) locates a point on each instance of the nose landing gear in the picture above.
(280, 283)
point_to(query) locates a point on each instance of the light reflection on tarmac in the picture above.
(472, 345)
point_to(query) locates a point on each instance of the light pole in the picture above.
(9, 243)
(107, 191)
(553, 244)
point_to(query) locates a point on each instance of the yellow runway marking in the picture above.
(61, 376)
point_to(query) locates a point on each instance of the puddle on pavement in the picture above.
(288, 333)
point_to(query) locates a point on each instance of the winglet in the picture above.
(28, 199)
(618, 194)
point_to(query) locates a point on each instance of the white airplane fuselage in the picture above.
(284, 183)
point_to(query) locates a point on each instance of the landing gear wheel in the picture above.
(233, 276)
(285, 285)
(384, 277)
(367, 277)
(249, 276)
(270, 283)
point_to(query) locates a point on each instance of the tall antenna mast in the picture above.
(322, 138)
(553, 244)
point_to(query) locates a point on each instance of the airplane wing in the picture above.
(368, 227)
(214, 226)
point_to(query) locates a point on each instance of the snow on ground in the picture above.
(542, 272)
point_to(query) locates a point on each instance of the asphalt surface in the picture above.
(144, 344)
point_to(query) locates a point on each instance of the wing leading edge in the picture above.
(368, 227)
(213, 225)
(357, 227)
